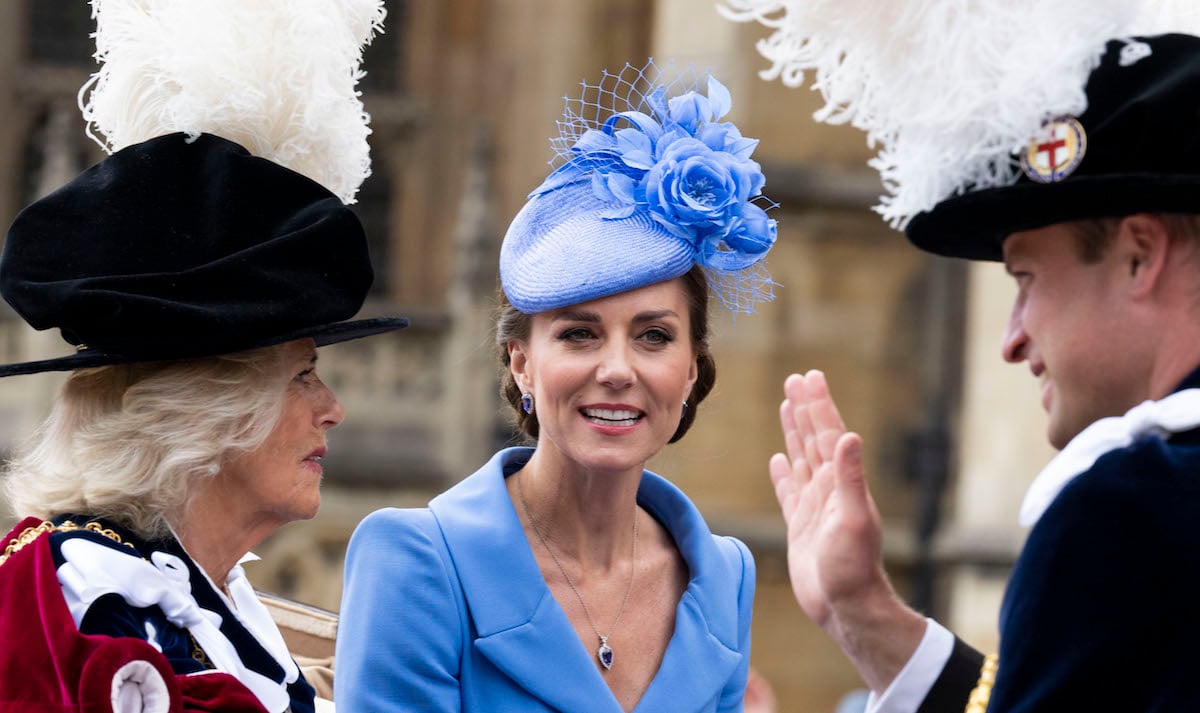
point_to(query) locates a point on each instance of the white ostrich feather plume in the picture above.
(275, 76)
(947, 89)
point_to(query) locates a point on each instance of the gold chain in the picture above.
(198, 654)
(978, 701)
(29, 534)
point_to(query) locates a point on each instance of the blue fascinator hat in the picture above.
(649, 182)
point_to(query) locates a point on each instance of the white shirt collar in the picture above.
(1176, 413)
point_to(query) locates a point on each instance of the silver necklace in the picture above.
(605, 652)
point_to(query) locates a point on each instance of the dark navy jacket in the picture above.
(1102, 611)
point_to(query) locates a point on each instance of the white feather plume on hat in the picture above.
(948, 89)
(275, 76)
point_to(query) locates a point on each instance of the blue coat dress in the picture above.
(445, 609)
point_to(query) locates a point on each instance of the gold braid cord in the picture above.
(978, 701)
(29, 534)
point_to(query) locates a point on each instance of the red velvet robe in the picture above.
(48, 666)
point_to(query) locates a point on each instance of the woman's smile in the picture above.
(619, 418)
(608, 377)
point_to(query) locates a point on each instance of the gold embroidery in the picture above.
(198, 654)
(978, 701)
(29, 534)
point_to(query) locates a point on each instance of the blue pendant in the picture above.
(604, 653)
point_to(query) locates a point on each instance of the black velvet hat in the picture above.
(174, 248)
(1140, 153)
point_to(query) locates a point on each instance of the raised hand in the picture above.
(834, 535)
(833, 528)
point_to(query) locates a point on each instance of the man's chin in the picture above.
(1060, 431)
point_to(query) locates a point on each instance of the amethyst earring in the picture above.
(527, 402)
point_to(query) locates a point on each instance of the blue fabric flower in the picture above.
(690, 172)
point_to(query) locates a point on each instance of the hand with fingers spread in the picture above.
(833, 526)
(834, 535)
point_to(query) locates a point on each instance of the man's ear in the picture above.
(1142, 244)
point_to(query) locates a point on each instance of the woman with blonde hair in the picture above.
(195, 272)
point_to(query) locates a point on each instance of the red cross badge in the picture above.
(1056, 151)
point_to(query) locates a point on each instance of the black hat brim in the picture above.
(974, 225)
(323, 335)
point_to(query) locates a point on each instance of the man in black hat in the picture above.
(1102, 235)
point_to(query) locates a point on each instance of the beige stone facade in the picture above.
(464, 94)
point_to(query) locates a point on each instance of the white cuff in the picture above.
(912, 684)
(138, 687)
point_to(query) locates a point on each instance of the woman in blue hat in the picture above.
(194, 273)
(565, 576)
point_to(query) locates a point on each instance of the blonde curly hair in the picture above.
(131, 442)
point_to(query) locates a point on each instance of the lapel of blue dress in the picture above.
(703, 651)
(521, 629)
